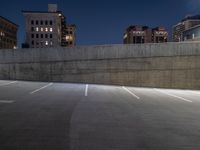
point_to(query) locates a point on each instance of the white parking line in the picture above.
(6, 101)
(4, 84)
(134, 95)
(37, 90)
(86, 90)
(172, 95)
(194, 92)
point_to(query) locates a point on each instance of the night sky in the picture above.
(103, 22)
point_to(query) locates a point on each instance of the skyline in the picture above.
(104, 22)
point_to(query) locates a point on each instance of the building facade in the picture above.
(45, 29)
(192, 34)
(144, 34)
(185, 24)
(137, 34)
(8, 34)
(70, 36)
(159, 35)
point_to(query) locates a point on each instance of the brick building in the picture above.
(8, 34)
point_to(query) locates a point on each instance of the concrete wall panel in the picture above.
(168, 65)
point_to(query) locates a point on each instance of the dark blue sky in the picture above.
(103, 22)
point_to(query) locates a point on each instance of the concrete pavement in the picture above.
(62, 116)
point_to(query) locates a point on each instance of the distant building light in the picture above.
(59, 15)
(46, 43)
(51, 29)
(2, 34)
(42, 29)
(193, 36)
(125, 36)
(14, 47)
(46, 29)
(69, 38)
(37, 29)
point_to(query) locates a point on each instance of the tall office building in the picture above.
(185, 24)
(144, 34)
(8, 34)
(45, 28)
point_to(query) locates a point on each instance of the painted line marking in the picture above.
(130, 92)
(6, 101)
(172, 95)
(37, 90)
(8, 83)
(86, 90)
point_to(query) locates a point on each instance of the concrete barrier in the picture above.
(169, 65)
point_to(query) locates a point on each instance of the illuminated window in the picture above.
(46, 43)
(51, 43)
(2, 34)
(51, 29)
(69, 38)
(46, 29)
(42, 29)
(37, 29)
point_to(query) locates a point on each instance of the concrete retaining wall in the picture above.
(170, 65)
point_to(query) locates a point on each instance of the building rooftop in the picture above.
(195, 17)
(1, 17)
(133, 27)
(24, 11)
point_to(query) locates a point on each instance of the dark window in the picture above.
(46, 22)
(70, 43)
(32, 35)
(134, 40)
(37, 36)
(41, 22)
(70, 32)
(32, 42)
(36, 22)
(46, 35)
(138, 39)
(32, 22)
(41, 35)
(51, 36)
(32, 28)
(67, 32)
(51, 22)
